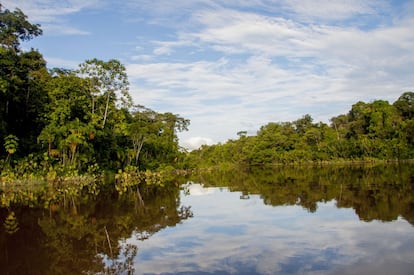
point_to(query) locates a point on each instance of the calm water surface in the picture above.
(234, 233)
(336, 220)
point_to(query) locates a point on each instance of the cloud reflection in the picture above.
(228, 235)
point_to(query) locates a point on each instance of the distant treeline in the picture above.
(75, 119)
(375, 130)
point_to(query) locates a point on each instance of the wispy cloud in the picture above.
(63, 29)
(50, 14)
(232, 65)
(332, 10)
(274, 67)
(241, 32)
(223, 95)
(61, 63)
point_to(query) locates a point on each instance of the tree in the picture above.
(22, 76)
(15, 28)
(161, 145)
(405, 105)
(78, 116)
(302, 124)
(109, 80)
(358, 120)
(383, 119)
(140, 129)
(242, 134)
(69, 121)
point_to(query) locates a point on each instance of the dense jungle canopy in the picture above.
(369, 131)
(75, 118)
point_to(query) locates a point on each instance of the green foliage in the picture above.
(11, 143)
(14, 28)
(131, 178)
(405, 105)
(74, 119)
(127, 179)
(109, 81)
(22, 94)
(63, 121)
(375, 130)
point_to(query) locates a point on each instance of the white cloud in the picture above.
(220, 97)
(333, 9)
(167, 47)
(49, 10)
(287, 236)
(196, 142)
(277, 69)
(232, 65)
(197, 189)
(50, 13)
(142, 57)
(61, 63)
(62, 30)
(251, 33)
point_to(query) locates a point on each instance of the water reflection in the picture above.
(330, 220)
(376, 192)
(87, 236)
(337, 220)
(232, 236)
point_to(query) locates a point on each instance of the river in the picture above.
(354, 219)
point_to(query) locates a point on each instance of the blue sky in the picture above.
(232, 66)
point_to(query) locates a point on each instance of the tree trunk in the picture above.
(106, 110)
(138, 151)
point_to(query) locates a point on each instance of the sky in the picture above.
(231, 66)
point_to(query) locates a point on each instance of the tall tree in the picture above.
(14, 28)
(405, 105)
(22, 94)
(110, 81)
(69, 123)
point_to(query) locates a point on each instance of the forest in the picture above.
(369, 131)
(58, 121)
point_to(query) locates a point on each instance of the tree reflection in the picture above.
(375, 192)
(47, 231)
(85, 236)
